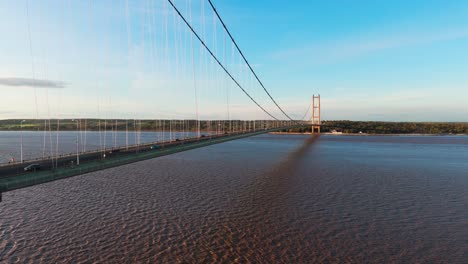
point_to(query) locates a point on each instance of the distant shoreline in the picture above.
(213, 132)
(329, 127)
(363, 134)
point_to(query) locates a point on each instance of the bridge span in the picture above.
(167, 66)
(13, 176)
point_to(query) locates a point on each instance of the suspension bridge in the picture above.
(197, 60)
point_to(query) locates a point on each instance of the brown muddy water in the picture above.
(265, 199)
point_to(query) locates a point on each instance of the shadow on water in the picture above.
(276, 182)
(257, 217)
(318, 201)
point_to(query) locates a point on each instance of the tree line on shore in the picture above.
(133, 124)
(375, 127)
(344, 126)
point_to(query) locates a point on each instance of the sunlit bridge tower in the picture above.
(315, 120)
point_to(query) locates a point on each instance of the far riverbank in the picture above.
(363, 134)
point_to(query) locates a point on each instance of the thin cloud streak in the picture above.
(28, 82)
(344, 49)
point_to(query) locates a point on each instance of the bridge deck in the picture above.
(13, 177)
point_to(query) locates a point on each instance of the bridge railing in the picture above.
(33, 178)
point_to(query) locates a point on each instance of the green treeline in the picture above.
(345, 126)
(131, 125)
(372, 127)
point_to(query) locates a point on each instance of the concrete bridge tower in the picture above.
(316, 114)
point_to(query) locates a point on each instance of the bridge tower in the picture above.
(316, 114)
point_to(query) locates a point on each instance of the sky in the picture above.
(369, 60)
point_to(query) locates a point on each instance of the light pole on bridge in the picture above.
(77, 144)
(21, 147)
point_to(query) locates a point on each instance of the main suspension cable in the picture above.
(248, 64)
(307, 111)
(217, 60)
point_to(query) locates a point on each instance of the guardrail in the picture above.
(167, 147)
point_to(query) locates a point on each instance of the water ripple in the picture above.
(266, 199)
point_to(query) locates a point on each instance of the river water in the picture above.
(44, 145)
(264, 199)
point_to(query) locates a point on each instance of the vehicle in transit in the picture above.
(32, 167)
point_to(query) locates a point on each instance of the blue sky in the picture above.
(369, 60)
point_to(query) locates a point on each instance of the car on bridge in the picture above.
(154, 147)
(32, 167)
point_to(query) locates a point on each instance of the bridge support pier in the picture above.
(315, 130)
(315, 114)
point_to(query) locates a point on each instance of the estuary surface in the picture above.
(264, 199)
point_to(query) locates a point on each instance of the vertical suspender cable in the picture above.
(129, 47)
(245, 60)
(217, 60)
(192, 48)
(32, 58)
(202, 58)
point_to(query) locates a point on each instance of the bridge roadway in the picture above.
(14, 177)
